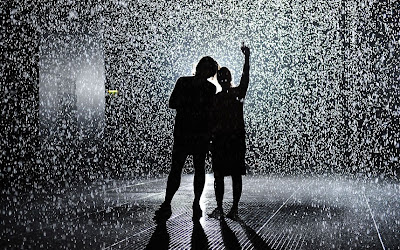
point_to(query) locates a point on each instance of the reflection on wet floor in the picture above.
(275, 213)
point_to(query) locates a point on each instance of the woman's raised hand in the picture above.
(245, 50)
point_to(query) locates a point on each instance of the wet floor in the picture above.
(275, 213)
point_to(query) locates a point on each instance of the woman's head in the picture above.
(207, 67)
(224, 78)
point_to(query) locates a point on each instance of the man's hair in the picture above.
(206, 67)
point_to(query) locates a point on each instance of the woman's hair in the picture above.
(224, 77)
(207, 67)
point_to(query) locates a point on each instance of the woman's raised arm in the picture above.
(244, 80)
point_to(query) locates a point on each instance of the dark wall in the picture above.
(19, 93)
(71, 94)
(71, 91)
(38, 146)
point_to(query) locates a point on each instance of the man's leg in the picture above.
(199, 180)
(173, 183)
(219, 190)
(174, 177)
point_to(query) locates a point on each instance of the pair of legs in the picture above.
(174, 178)
(219, 189)
(174, 181)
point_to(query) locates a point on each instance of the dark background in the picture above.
(323, 96)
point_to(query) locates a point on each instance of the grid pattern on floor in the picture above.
(275, 213)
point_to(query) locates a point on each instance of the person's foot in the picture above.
(197, 212)
(217, 213)
(163, 213)
(233, 214)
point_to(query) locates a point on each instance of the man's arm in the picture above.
(176, 97)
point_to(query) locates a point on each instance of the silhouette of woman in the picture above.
(192, 99)
(228, 140)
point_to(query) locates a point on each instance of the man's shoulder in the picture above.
(185, 79)
(193, 82)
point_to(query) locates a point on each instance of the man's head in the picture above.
(207, 67)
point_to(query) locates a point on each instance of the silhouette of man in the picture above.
(192, 99)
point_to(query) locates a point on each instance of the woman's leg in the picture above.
(218, 212)
(237, 190)
(199, 175)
